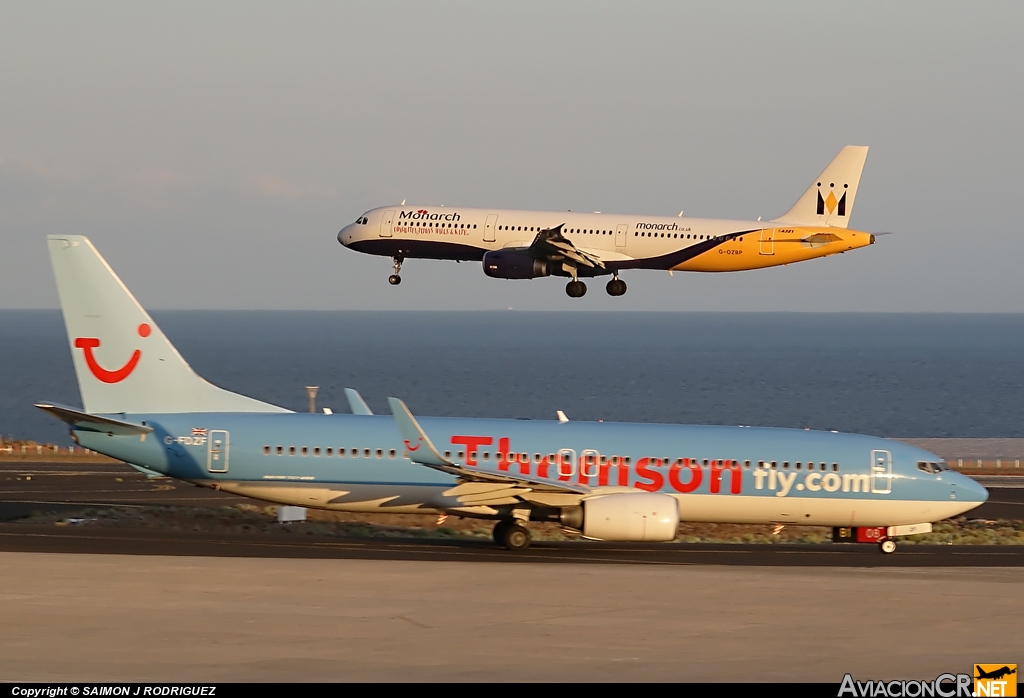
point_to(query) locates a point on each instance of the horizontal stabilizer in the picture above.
(150, 474)
(93, 422)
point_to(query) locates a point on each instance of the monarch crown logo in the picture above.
(830, 202)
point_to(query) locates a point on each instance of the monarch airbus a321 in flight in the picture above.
(610, 481)
(532, 244)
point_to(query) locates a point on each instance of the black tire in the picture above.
(576, 289)
(616, 287)
(394, 279)
(499, 531)
(515, 537)
(887, 546)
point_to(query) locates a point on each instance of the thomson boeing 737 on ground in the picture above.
(532, 244)
(624, 482)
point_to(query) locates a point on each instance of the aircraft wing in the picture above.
(550, 244)
(488, 487)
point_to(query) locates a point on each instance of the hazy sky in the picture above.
(213, 150)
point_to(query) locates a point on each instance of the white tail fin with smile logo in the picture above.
(829, 199)
(123, 361)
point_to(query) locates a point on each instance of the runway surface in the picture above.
(66, 487)
(156, 618)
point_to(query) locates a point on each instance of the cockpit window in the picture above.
(933, 468)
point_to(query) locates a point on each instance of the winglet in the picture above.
(561, 416)
(417, 443)
(356, 403)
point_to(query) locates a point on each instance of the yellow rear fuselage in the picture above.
(771, 247)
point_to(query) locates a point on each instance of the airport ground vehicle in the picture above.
(143, 404)
(531, 244)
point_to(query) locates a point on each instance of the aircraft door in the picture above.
(881, 472)
(217, 451)
(385, 224)
(767, 241)
(620, 235)
(489, 228)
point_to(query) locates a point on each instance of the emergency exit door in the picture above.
(767, 245)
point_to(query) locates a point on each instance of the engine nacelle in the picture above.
(514, 264)
(626, 516)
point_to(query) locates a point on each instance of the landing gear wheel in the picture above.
(396, 263)
(499, 531)
(888, 546)
(616, 287)
(515, 537)
(575, 289)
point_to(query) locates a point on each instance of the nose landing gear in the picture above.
(395, 279)
(616, 287)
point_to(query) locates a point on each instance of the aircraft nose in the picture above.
(345, 235)
(970, 490)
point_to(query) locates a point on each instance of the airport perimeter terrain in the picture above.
(106, 575)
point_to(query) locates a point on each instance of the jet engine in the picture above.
(625, 516)
(514, 264)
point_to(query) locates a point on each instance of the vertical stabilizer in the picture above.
(829, 199)
(123, 361)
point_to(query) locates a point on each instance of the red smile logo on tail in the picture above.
(87, 344)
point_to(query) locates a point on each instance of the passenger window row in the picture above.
(773, 465)
(341, 451)
(424, 224)
(590, 459)
(688, 236)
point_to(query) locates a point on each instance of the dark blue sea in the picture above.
(913, 375)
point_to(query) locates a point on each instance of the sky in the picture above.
(212, 151)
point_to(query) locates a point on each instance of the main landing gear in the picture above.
(510, 534)
(575, 289)
(395, 279)
(616, 287)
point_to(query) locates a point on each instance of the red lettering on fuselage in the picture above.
(695, 475)
(653, 479)
(471, 443)
(683, 475)
(719, 467)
